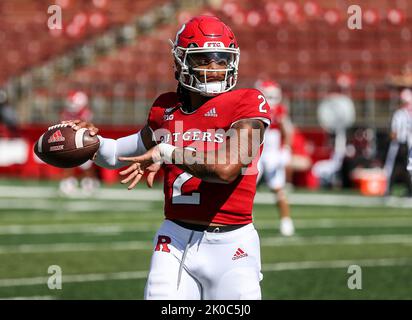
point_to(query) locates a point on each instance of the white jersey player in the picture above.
(276, 153)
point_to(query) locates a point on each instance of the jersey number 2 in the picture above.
(262, 104)
(177, 197)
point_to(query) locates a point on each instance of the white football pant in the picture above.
(272, 164)
(191, 265)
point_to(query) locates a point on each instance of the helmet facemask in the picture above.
(192, 76)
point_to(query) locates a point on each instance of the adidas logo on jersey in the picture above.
(239, 254)
(211, 113)
(56, 137)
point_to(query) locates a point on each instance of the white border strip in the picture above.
(79, 137)
(156, 195)
(40, 144)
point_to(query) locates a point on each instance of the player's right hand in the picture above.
(78, 124)
(150, 162)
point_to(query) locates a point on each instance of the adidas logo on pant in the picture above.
(239, 254)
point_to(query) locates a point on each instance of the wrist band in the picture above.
(166, 152)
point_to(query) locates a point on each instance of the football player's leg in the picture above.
(276, 178)
(163, 280)
(69, 184)
(277, 184)
(269, 166)
(89, 181)
(168, 278)
(242, 283)
(238, 274)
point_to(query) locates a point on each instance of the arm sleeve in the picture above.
(252, 105)
(110, 150)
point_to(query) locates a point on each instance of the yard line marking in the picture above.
(75, 278)
(147, 245)
(295, 198)
(76, 247)
(303, 265)
(101, 194)
(81, 206)
(281, 266)
(104, 206)
(75, 228)
(30, 298)
(262, 224)
(338, 223)
(34, 204)
(336, 240)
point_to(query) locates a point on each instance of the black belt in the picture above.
(216, 229)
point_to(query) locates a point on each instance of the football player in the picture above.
(205, 136)
(276, 153)
(76, 107)
(401, 141)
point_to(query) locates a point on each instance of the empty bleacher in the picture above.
(305, 45)
(27, 41)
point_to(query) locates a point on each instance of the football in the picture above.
(63, 147)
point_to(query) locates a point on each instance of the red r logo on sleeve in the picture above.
(162, 242)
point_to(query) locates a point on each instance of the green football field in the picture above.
(103, 244)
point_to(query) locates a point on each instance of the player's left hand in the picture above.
(150, 161)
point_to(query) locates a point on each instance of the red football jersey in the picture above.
(190, 198)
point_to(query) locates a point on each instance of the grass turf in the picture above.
(86, 242)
